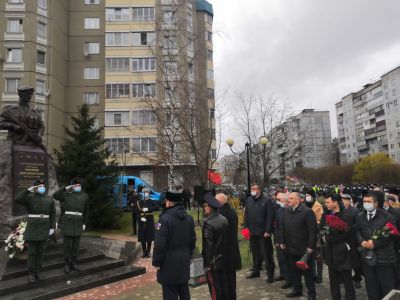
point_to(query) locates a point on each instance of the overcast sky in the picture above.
(310, 53)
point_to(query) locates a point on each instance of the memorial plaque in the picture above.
(29, 163)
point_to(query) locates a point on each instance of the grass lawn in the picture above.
(126, 229)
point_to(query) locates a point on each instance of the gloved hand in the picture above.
(69, 188)
(83, 227)
(145, 209)
(51, 231)
(32, 188)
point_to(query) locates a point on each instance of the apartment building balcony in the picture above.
(13, 66)
(14, 36)
(41, 69)
(12, 7)
(10, 97)
(40, 98)
(42, 11)
(383, 142)
(167, 2)
(42, 40)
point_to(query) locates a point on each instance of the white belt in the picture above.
(75, 213)
(39, 216)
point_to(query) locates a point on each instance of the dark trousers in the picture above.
(379, 280)
(295, 275)
(217, 285)
(229, 284)
(283, 261)
(71, 247)
(134, 222)
(175, 292)
(261, 248)
(146, 247)
(334, 282)
(35, 253)
(319, 265)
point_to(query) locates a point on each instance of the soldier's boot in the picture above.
(74, 266)
(31, 276)
(37, 272)
(67, 266)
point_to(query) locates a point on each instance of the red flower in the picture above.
(302, 263)
(336, 223)
(392, 228)
(246, 233)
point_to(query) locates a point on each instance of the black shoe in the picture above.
(270, 280)
(37, 272)
(311, 298)
(32, 277)
(67, 268)
(286, 285)
(144, 255)
(253, 275)
(74, 267)
(294, 294)
(279, 278)
(318, 280)
(357, 284)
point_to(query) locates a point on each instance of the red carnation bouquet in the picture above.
(246, 234)
(334, 225)
(385, 232)
(302, 263)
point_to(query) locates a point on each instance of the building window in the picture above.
(210, 74)
(118, 145)
(42, 4)
(40, 87)
(189, 19)
(171, 68)
(117, 118)
(209, 19)
(169, 16)
(170, 42)
(117, 14)
(210, 93)
(92, 23)
(92, 1)
(143, 117)
(16, 1)
(140, 14)
(144, 38)
(211, 113)
(14, 55)
(391, 146)
(91, 98)
(213, 153)
(142, 90)
(144, 145)
(117, 90)
(394, 92)
(91, 73)
(395, 102)
(209, 54)
(41, 29)
(92, 48)
(143, 64)
(117, 39)
(41, 58)
(12, 85)
(208, 36)
(117, 64)
(14, 25)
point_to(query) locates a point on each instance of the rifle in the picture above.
(9, 116)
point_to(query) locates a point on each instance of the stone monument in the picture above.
(23, 158)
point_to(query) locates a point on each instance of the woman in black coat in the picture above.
(146, 224)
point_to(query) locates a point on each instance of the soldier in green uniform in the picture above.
(75, 204)
(41, 223)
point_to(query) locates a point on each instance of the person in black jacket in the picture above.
(379, 273)
(133, 199)
(336, 248)
(395, 212)
(233, 260)
(214, 252)
(258, 218)
(300, 236)
(175, 240)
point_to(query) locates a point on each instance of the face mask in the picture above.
(368, 207)
(386, 207)
(41, 189)
(309, 199)
(281, 204)
(77, 189)
(253, 194)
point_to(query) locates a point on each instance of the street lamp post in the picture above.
(263, 141)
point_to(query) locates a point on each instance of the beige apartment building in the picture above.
(136, 63)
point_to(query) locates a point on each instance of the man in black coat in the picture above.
(175, 240)
(300, 236)
(133, 198)
(233, 260)
(258, 218)
(336, 248)
(215, 250)
(379, 273)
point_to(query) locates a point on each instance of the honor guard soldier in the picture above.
(41, 224)
(175, 240)
(75, 204)
(146, 208)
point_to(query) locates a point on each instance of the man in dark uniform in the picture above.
(146, 208)
(175, 240)
(233, 260)
(41, 224)
(133, 198)
(13, 116)
(76, 207)
(215, 248)
(258, 218)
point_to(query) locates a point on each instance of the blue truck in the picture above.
(121, 190)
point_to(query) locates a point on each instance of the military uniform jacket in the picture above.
(77, 202)
(37, 229)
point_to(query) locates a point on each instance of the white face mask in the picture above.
(309, 199)
(368, 207)
(385, 207)
(281, 204)
(253, 194)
